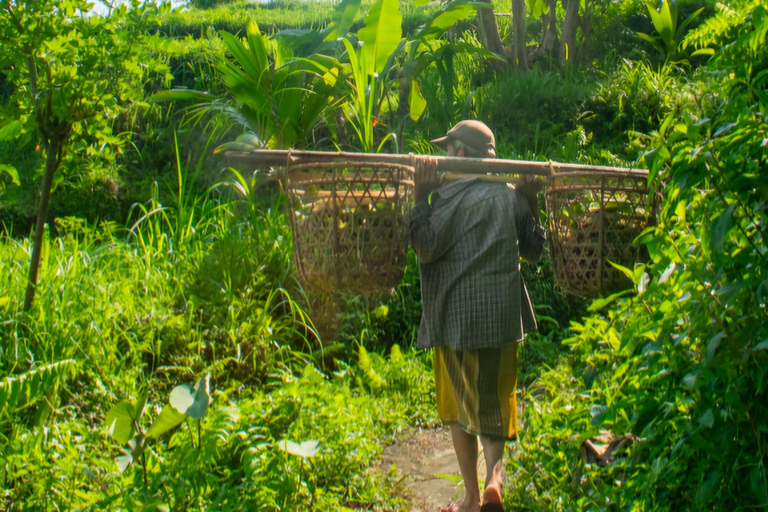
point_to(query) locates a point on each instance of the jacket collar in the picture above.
(453, 188)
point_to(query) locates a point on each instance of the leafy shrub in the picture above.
(679, 365)
(635, 99)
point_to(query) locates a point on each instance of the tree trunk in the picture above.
(549, 32)
(52, 161)
(570, 24)
(518, 20)
(489, 33)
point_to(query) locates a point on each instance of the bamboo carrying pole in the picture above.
(261, 158)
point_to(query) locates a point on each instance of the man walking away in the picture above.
(469, 239)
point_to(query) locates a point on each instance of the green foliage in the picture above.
(277, 98)
(199, 280)
(65, 81)
(669, 34)
(24, 389)
(280, 15)
(681, 363)
(634, 100)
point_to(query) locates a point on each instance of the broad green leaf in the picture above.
(343, 19)
(307, 449)
(600, 414)
(681, 29)
(182, 398)
(645, 416)
(707, 419)
(257, 49)
(11, 170)
(667, 273)
(758, 485)
(724, 129)
(642, 283)
(10, 130)
(416, 101)
(759, 16)
(181, 95)
(192, 401)
(654, 40)
(141, 404)
(667, 28)
(167, 419)
(680, 210)
(235, 146)
(600, 303)
(539, 8)
(381, 34)
(689, 381)
(714, 343)
(124, 460)
(763, 345)
(706, 490)
(624, 270)
(445, 18)
(729, 289)
(130, 453)
(720, 228)
(120, 422)
(656, 17)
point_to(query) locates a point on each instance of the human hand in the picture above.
(425, 178)
(529, 185)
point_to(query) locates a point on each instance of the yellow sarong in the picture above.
(476, 390)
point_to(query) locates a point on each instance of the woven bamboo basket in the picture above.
(594, 218)
(349, 215)
(349, 222)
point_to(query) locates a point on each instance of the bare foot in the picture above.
(492, 495)
(492, 499)
(462, 506)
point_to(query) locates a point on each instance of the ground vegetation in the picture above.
(170, 359)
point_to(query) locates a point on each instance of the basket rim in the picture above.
(630, 173)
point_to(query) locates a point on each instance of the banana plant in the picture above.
(383, 59)
(669, 34)
(378, 41)
(427, 47)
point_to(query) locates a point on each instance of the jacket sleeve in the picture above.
(530, 234)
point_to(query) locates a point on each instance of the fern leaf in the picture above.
(27, 388)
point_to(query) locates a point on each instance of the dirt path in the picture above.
(429, 469)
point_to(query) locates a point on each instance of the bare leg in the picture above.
(465, 446)
(494, 451)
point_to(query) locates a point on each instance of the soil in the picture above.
(427, 463)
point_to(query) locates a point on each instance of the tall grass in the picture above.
(197, 282)
(278, 15)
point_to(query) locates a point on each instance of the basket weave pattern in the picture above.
(593, 219)
(350, 224)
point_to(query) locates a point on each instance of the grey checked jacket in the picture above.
(469, 241)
